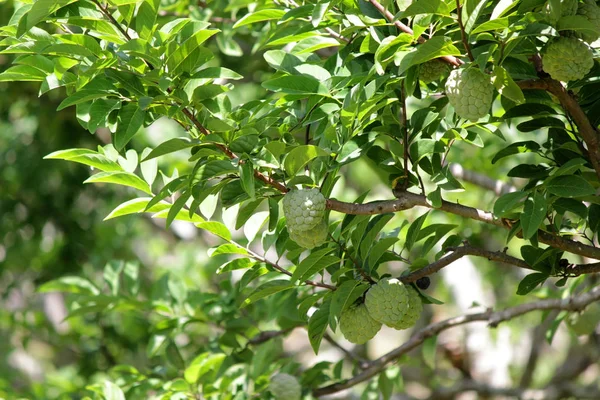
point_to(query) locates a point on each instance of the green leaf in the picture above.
(570, 186)
(516, 148)
(81, 96)
(344, 296)
(171, 146)
(145, 19)
(317, 324)
(39, 12)
(87, 157)
(120, 178)
(205, 366)
(530, 282)
(414, 230)
(130, 120)
(227, 248)
(211, 169)
(306, 264)
(507, 202)
(435, 47)
(22, 73)
(299, 156)
(259, 16)
(533, 214)
(506, 86)
(426, 7)
(135, 206)
(267, 289)
(296, 85)
(70, 284)
(238, 263)
(578, 23)
(216, 228)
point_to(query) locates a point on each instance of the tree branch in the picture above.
(494, 318)
(571, 106)
(407, 200)
(463, 34)
(459, 252)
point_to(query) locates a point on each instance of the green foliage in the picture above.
(273, 97)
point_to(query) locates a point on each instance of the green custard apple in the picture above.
(567, 59)
(311, 238)
(413, 312)
(590, 10)
(303, 209)
(433, 70)
(285, 387)
(470, 92)
(357, 325)
(387, 301)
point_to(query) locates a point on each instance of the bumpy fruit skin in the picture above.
(387, 301)
(357, 325)
(413, 312)
(285, 387)
(470, 92)
(591, 11)
(432, 70)
(311, 238)
(567, 59)
(303, 209)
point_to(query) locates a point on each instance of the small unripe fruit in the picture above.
(357, 325)
(470, 92)
(567, 59)
(311, 238)
(413, 311)
(423, 283)
(432, 70)
(303, 209)
(387, 301)
(590, 10)
(285, 387)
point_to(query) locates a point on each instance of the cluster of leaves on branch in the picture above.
(348, 82)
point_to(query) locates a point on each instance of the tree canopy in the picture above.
(341, 160)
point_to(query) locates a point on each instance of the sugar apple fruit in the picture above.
(585, 322)
(413, 312)
(387, 301)
(432, 70)
(470, 92)
(567, 7)
(285, 387)
(310, 238)
(567, 59)
(590, 10)
(303, 209)
(357, 325)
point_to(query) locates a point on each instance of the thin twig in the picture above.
(359, 268)
(463, 34)
(493, 318)
(362, 363)
(480, 180)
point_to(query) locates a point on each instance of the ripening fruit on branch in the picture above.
(285, 387)
(311, 238)
(423, 283)
(357, 325)
(470, 92)
(433, 70)
(303, 209)
(413, 311)
(387, 301)
(567, 59)
(585, 322)
(590, 10)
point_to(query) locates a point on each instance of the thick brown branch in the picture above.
(390, 17)
(574, 303)
(571, 106)
(459, 252)
(407, 200)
